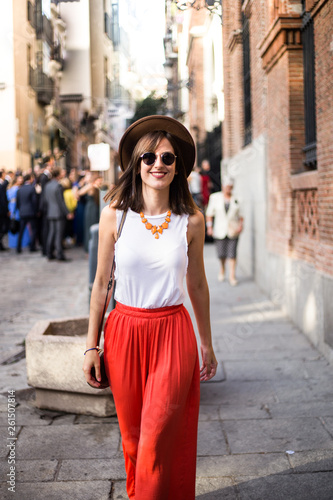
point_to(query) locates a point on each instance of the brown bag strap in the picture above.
(110, 284)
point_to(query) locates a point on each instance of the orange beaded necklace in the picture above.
(156, 230)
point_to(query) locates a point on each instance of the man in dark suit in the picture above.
(4, 212)
(27, 205)
(56, 212)
(42, 222)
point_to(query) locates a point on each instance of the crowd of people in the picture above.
(47, 208)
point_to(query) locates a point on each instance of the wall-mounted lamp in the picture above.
(214, 6)
(168, 69)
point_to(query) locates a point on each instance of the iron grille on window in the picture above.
(247, 82)
(107, 25)
(310, 148)
(31, 14)
(44, 30)
(115, 35)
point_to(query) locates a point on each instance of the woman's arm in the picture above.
(210, 213)
(209, 225)
(199, 293)
(84, 189)
(106, 240)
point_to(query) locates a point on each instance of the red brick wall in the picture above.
(316, 246)
(278, 157)
(259, 20)
(196, 69)
(300, 209)
(323, 29)
(233, 91)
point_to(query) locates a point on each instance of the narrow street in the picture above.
(266, 422)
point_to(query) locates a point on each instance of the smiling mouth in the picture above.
(158, 174)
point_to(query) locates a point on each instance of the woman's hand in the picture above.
(241, 224)
(91, 360)
(98, 182)
(209, 231)
(209, 364)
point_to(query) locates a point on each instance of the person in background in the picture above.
(206, 183)
(43, 225)
(56, 212)
(90, 191)
(14, 213)
(224, 209)
(150, 349)
(27, 205)
(194, 181)
(78, 223)
(71, 204)
(5, 179)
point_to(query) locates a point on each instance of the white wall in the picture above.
(213, 71)
(8, 126)
(248, 168)
(77, 73)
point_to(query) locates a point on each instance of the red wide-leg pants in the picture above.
(151, 358)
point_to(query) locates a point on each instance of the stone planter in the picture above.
(54, 355)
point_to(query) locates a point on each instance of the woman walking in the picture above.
(150, 347)
(225, 223)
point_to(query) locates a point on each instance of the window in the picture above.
(30, 69)
(247, 81)
(107, 89)
(115, 36)
(310, 148)
(46, 58)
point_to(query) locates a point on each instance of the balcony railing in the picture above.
(107, 88)
(38, 20)
(32, 14)
(44, 30)
(42, 84)
(56, 55)
(107, 25)
(111, 26)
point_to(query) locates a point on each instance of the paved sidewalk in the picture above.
(265, 431)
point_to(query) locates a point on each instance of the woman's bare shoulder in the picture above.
(196, 220)
(108, 217)
(196, 225)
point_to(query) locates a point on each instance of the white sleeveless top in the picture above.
(150, 272)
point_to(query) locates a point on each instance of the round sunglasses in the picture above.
(150, 158)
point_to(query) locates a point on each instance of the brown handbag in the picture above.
(104, 383)
(234, 229)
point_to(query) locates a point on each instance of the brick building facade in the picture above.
(277, 143)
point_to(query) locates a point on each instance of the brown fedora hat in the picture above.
(151, 124)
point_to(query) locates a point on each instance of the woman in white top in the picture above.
(150, 348)
(224, 222)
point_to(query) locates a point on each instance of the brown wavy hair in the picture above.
(128, 191)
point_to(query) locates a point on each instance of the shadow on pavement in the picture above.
(300, 484)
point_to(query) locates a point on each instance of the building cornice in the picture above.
(304, 180)
(247, 8)
(314, 6)
(283, 35)
(234, 39)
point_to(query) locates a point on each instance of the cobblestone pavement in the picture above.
(266, 423)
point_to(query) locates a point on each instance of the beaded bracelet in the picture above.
(91, 349)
